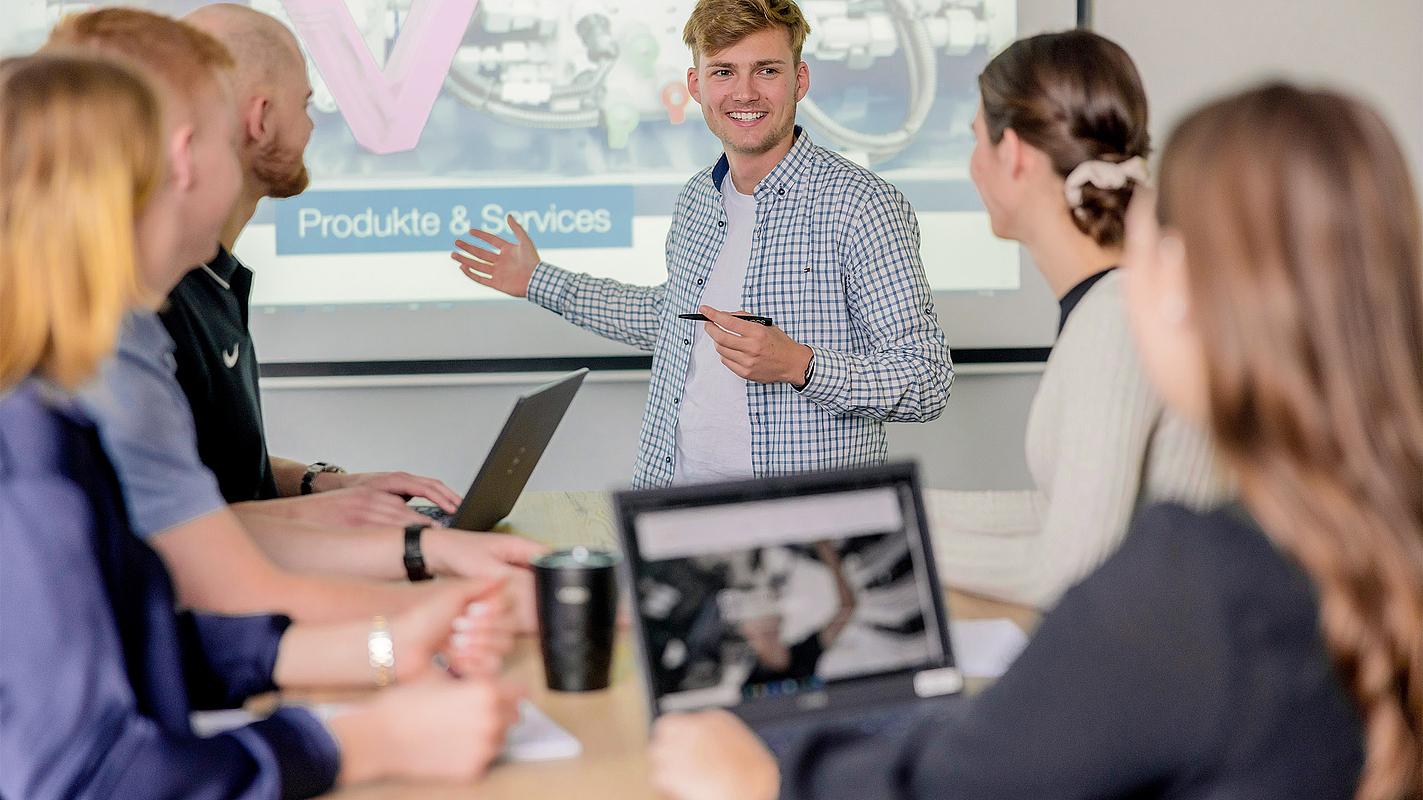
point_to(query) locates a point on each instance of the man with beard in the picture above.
(783, 229)
(207, 314)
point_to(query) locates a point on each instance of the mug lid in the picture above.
(579, 557)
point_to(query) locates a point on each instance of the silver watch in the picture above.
(316, 468)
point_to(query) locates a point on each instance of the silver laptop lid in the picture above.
(787, 594)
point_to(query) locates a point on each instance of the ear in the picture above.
(180, 157)
(1012, 153)
(253, 119)
(694, 84)
(802, 81)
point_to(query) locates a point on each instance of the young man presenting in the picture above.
(783, 229)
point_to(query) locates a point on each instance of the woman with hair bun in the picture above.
(1061, 144)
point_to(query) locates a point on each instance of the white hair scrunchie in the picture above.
(1103, 175)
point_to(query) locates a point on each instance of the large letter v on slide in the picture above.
(386, 109)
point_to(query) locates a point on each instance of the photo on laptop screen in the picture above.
(745, 600)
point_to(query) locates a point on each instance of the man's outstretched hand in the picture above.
(499, 264)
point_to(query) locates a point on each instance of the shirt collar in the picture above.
(785, 172)
(224, 265)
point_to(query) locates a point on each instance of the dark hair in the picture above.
(1077, 97)
(1305, 254)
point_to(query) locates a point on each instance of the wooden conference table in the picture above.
(611, 724)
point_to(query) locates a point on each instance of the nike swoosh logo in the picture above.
(386, 108)
(230, 359)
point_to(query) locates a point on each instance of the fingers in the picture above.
(729, 321)
(523, 606)
(519, 232)
(513, 550)
(509, 695)
(737, 369)
(495, 243)
(481, 636)
(474, 252)
(473, 271)
(394, 511)
(368, 506)
(403, 483)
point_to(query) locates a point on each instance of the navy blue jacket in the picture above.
(98, 673)
(1190, 666)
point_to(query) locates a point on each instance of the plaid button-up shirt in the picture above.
(835, 262)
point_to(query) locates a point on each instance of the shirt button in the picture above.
(676, 401)
(668, 459)
(686, 341)
(720, 224)
(781, 192)
(699, 281)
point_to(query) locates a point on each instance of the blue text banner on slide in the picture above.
(426, 220)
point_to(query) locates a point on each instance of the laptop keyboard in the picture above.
(897, 719)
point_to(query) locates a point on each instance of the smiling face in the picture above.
(748, 92)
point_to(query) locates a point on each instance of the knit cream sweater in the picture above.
(1099, 445)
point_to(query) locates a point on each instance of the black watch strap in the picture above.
(415, 557)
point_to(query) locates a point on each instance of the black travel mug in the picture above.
(577, 593)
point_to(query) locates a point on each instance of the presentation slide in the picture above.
(435, 116)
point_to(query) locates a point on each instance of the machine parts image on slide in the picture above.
(577, 89)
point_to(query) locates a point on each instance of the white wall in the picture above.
(1191, 51)
(1187, 51)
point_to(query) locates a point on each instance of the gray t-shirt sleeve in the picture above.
(146, 427)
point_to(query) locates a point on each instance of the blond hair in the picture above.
(81, 153)
(1306, 271)
(184, 59)
(718, 24)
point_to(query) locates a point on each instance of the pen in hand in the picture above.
(748, 317)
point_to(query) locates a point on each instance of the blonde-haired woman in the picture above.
(97, 673)
(1271, 649)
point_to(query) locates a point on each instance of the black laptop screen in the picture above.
(757, 599)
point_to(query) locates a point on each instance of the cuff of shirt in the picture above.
(830, 379)
(548, 287)
(304, 753)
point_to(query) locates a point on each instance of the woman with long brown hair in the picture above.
(1269, 649)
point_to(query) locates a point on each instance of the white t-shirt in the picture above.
(714, 424)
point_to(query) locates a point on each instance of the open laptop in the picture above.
(793, 602)
(513, 457)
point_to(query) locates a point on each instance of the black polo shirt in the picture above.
(206, 315)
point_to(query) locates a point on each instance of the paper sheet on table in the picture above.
(535, 737)
(983, 648)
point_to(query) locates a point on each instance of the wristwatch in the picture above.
(414, 557)
(314, 469)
